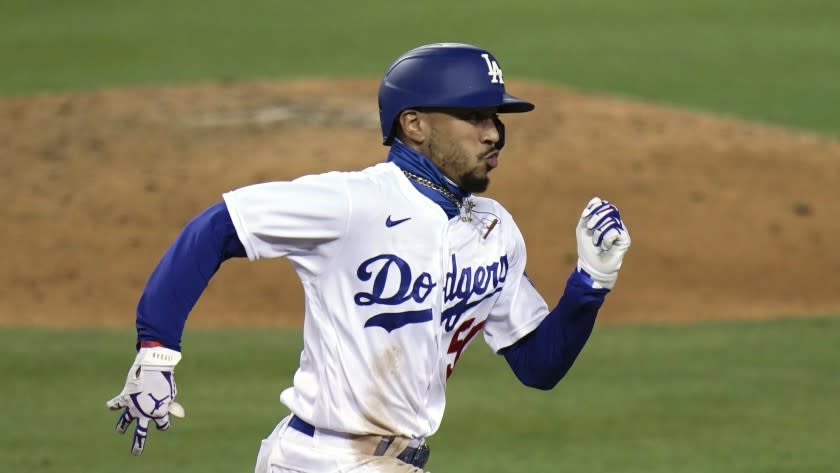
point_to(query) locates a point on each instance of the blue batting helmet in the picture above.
(451, 75)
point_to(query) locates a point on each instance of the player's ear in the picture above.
(411, 127)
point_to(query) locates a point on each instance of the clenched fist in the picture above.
(602, 241)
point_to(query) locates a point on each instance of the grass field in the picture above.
(730, 397)
(765, 60)
(707, 397)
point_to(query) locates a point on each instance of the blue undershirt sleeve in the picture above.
(183, 273)
(543, 357)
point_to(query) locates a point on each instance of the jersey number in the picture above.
(459, 343)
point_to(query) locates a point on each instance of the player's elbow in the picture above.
(543, 381)
(538, 370)
(535, 370)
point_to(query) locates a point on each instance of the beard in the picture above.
(452, 160)
(473, 183)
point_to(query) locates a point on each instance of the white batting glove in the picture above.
(602, 241)
(148, 395)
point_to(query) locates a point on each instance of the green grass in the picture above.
(725, 396)
(769, 60)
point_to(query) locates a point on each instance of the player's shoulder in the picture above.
(374, 173)
(380, 171)
(377, 181)
(381, 186)
(353, 180)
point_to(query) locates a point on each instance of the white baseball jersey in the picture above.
(394, 292)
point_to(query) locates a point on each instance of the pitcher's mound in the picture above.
(728, 218)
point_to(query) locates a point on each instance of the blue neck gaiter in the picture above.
(415, 162)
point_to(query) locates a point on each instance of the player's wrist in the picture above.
(157, 356)
(596, 279)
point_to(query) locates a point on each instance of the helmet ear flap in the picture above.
(500, 127)
(392, 133)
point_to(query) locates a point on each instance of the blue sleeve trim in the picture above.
(543, 357)
(182, 274)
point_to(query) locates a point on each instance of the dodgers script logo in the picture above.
(393, 283)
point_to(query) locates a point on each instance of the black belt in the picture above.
(415, 456)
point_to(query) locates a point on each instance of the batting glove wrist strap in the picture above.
(148, 395)
(157, 356)
(602, 241)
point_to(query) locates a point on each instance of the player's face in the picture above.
(462, 143)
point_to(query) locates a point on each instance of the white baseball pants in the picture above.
(287, 450)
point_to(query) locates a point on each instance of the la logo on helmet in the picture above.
(493, 70)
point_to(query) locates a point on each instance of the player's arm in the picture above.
(182, 274)
(261, 221)
(544, 356)
(172, 290)
(267, 220)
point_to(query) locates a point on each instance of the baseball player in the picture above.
(402, 265)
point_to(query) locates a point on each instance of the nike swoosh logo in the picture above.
(391, 223)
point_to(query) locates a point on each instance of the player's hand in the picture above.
(148, 395)
(602, 241)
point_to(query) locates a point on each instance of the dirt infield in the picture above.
(728, 218)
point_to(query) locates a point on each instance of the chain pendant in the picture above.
(466, 211)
